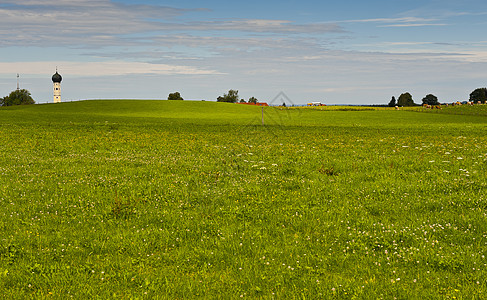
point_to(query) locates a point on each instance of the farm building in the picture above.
(256, 104)
(315, 104)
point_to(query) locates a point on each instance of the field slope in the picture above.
(180, 199)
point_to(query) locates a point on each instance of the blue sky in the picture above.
(336, 52)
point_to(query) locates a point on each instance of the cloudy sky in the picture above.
(336, 52)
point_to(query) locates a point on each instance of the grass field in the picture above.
(179, 200)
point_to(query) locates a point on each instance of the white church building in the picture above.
(56, 79)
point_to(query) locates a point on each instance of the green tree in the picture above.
(479, 94)
(18, 97)
(175, 96)
(431, 99)
(253, 100)
(231, 96)
(242, 101)
(405, 100)
(392, 103)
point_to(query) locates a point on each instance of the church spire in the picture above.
(56, 79)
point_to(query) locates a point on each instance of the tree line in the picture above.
(231, 97)
(23, 97)
(17, 97)
(478, 95)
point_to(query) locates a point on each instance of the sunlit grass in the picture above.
(135, 199)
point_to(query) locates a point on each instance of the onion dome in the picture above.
(56, 77)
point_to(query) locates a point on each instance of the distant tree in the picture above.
(18, 97)
(1, 101)
(479, 94)
(392, 103)
(405, 100)
(242, 101)
(175, 96)
(253, 100)
(231, 96)
(431, 99)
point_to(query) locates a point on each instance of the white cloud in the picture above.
(105, 23)
(83, 22)
(413, 25)
(400, 22)
(392, 20)
(95, 69)
(262, 26)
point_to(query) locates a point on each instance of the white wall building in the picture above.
(56, 79)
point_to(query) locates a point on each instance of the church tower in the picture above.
(56, 79)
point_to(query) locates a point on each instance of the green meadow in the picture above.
(179, 199)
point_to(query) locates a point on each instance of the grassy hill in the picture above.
(179, 199)
(206, 112)
(158, 111)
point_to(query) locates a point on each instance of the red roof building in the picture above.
(256, 104)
